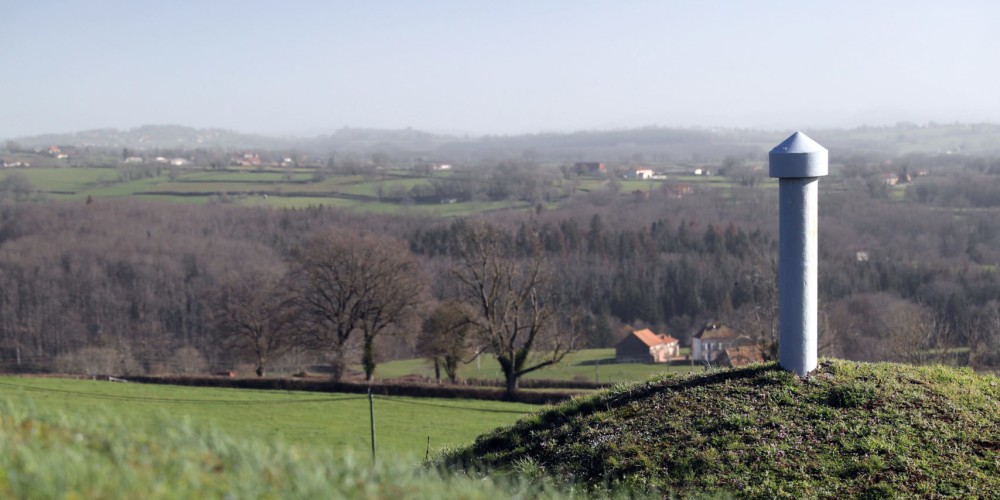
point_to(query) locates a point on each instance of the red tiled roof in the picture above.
(649, 338)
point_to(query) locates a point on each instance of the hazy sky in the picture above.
(494, 66)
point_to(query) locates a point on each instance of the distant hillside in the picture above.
(849, 430)
(156, 136)
(645, 144)
(955, 138)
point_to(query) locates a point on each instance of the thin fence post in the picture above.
(371, 413)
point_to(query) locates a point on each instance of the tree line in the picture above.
(129, 286)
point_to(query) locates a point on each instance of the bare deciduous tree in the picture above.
(188, 360)
(882, 327)
(352, 282)
(514, 303)
(255, 314)
(984, 342)
(758, 317)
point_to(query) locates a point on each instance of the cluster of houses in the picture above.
(244, 160)
(5, 163)
(175, 162)
(252, 159)
(891, 179)
(56, 152)
(585, 168)
(715, 344)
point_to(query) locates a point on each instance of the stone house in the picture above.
(644, 346)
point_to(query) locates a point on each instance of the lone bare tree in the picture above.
(255, 314)
(515, 307)
(446, 338)
(351, 282)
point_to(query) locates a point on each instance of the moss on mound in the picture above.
(849, 429)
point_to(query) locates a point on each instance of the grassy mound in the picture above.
(848, 430)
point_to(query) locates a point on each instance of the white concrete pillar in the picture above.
(798, 163)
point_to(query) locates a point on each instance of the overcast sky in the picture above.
(498, 67)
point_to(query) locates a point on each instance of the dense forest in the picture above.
(907, 272)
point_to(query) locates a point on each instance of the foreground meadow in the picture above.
(406, 428)
(75, 456)
(849, 430)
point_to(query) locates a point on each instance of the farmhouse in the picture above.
(250, 159)
(640, 173)
(644, 346)
(713, 339)
(889, 179)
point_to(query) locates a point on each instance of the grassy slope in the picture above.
(83, 456)
(849, 430)
(335, 421)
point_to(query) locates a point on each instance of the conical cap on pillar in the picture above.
(797, 157)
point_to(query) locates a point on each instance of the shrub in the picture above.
(188, 360)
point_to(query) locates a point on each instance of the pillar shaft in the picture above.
(798, 273)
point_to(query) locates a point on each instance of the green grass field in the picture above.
(388, 185)
(264, 176)
(246, 186)
(587, 365)
(65, 179)
(78, 455)
(338, 422)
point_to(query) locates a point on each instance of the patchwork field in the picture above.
(289, 188)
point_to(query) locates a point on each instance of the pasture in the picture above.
(285, 188)
(81, 455)
(337, 422)
(66, 180)
(588, 365)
